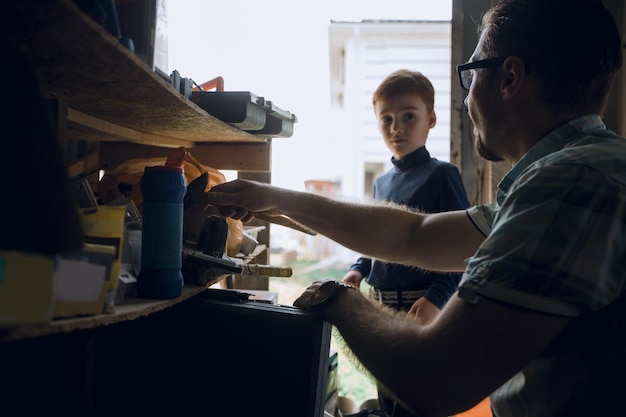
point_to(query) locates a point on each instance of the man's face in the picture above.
(482, 150)
(483, 110)
(404, 122)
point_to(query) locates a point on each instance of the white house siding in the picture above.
(362, 54)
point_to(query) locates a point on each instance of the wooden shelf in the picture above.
(112, 96)
(111, 93)
(131, 309)
(112, 107)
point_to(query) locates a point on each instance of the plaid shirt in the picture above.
(556, 243)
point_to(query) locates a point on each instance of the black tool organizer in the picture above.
(247, 111)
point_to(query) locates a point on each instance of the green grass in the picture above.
(353, 384)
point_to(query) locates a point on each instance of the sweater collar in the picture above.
(417, 157)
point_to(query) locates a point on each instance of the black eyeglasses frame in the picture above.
(483, 63)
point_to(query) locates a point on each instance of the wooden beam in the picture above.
(242, 157)
(480, 177)
(85, 127)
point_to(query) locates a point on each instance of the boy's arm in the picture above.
(453, 195)
(362, 265)
(442, 288)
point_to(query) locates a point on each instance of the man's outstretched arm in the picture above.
(385, 231)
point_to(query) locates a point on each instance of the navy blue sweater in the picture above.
(431, 186)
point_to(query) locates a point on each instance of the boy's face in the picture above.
(404, 122)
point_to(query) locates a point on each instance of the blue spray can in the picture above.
(163, 189)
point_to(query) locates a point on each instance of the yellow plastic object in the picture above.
(26, 283)
(105, 226)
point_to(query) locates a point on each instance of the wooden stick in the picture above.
(285, 221)
(253, 270)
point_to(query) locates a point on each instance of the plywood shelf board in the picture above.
(81, 63)
(131, 309)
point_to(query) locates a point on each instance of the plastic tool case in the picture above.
(246, 111)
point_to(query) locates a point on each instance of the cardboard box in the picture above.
(81, 281)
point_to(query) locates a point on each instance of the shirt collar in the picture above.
(550, 143)
(418, 156)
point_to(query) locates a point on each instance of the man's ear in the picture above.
(514, 76)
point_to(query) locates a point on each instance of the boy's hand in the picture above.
(423, 311)
(353, 278)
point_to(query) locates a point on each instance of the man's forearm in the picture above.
(373, 338)
(383, 230)
(376, 230)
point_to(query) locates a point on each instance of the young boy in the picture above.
(404, 108)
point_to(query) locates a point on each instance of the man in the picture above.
(539, 318)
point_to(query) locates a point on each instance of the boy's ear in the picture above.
(432, 119)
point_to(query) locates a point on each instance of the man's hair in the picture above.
(405, 81)
(572, 47)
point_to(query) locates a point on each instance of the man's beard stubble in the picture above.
(482, 151)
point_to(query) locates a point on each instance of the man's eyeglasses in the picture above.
(466, 75)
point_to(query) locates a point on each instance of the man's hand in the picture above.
(241, 199)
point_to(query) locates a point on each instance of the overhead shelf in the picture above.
(112, 95)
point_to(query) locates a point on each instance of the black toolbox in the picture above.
(278, 122)
(246, 111)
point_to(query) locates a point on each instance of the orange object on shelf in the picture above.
(217, 83)
(482, 409)
(177, 158)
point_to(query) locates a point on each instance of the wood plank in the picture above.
(242, 157)
(80, 62)
(87, 163)
(131, 309)
(85, 127)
